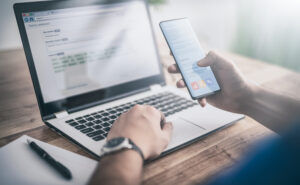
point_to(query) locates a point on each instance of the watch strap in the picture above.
(136, 148)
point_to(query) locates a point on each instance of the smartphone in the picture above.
(187, 51)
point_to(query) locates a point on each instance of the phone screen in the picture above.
(187, 51)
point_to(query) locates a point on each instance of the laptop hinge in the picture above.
(155, 87)
(61, 114)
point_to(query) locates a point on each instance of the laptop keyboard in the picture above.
(97, 125)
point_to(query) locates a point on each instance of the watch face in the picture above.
(114, 142)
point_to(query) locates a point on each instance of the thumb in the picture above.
(208, 60)
(167, 130)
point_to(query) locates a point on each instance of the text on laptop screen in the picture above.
(78, 50)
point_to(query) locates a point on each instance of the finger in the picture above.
(156, 114)
(180, 84)
(167, 131)
(162, 119)
(202, 102)
(208, 60)
(173, 69)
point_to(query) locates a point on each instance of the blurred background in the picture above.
(268, 30)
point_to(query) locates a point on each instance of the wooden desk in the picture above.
(19, 115)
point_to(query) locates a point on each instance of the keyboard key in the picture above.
(89, 124)
(98, 116)
(79, 127)
(185, 106)
(104, 114)
(105, 124)
(164, 110)
(127, 108)
(112, 112)
(90, 119)
(97, 127)
(73, 124)
(87, 130)
(178, 109)
(98, 138)
(92, 134)
(171, 112)
(81, 121)
(70, 121)
(155, 103)
(160, 105)
(113, 117)
(119, 110)
(105, 119)
(86, 115)
(97, 122)
(79, 118)
(107, 129)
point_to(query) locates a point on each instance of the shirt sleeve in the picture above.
(274, 161)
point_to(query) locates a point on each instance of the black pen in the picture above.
(50, 160)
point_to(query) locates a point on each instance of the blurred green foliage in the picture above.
(268, 35)
(157, 2)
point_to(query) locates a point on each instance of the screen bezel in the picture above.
(183, 77)
(82, 101)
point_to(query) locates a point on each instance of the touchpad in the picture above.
(183, 131)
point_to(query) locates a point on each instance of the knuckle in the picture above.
(157, 152)
(171, 67)
(212, 53)
(170, 125)
(231, 63)
(123, 115)
(165, 141)
(137, 107)
(151, 109)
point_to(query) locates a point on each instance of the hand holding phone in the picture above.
(187, 51)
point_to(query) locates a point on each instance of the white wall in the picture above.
(214, 21)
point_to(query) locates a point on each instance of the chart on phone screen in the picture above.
(78, 50)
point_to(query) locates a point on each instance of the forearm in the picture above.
(124, 168)
(274, 111)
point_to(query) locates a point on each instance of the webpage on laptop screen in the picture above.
(78, 50)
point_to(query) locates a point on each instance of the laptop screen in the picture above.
(84, 49)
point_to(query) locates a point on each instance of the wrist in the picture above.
(119, 144)
(123, 167)
(142, 145)
(127, 154)
(248, 100)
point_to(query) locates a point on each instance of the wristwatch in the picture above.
(118, 144)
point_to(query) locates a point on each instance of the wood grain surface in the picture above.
(195, 163)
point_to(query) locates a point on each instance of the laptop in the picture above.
(91, 61)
